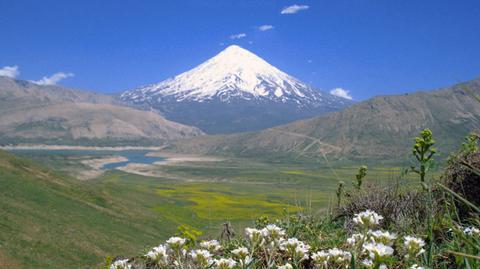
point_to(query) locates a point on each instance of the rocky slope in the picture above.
(31, 113)
(380, 128)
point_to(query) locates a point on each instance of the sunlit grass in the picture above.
(224, 202)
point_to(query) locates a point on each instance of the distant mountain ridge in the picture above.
(31, 113)
(379, 128)
(234, 91)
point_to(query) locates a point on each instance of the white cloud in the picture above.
(238, 36)
(265, 27)
(10, 71)
(294, 9)
(53, 79)
(341, 93)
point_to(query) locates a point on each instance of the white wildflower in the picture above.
(225, 263)
(332, 258)
(273, 232)
(301, 251)
(285, 266)
(254, 235)
(290, 243)
(295, 248)
(367, 219)
(382, 266)
(415, 266)
(355, 239)
(158, 255)
(176, 242)
(212, 245)
(320, 258)
(201, 257)
(385, 238)
(121, 264)
(339, 257)
(242, 254)
(367, 263)
(377, 251)
(413, 246)
(471, 231)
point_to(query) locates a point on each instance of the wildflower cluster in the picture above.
(332, 258)
(413, 246)
(270, 247)
(377, 248)
(367, 219)
(121, 264)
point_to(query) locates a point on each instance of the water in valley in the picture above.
(133, 156)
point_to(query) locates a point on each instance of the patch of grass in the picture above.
(225, 202)
(294, 172)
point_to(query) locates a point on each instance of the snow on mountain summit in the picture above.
(234, 91)
(234, 73)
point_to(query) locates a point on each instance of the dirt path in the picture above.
(308, 137)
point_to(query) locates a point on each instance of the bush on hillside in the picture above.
(404, 210)
(462, 175)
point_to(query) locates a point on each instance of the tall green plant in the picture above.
(471, 144)
(423, 151)
(189, 233)
(362, 172)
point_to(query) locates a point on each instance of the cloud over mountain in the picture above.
(53, 79)
(9, 71)
(341, 93)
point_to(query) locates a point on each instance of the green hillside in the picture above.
(49, 221)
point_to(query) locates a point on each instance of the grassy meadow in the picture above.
(52, 220)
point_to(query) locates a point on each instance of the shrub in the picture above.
(402, 210)
(461, 175)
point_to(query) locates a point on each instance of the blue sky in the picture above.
(367, 47)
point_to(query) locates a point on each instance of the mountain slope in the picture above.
(381, 127)
(234, 91)
(50, 221)
(32, 113)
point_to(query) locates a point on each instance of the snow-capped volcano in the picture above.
(233, 73)
(235, 78)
